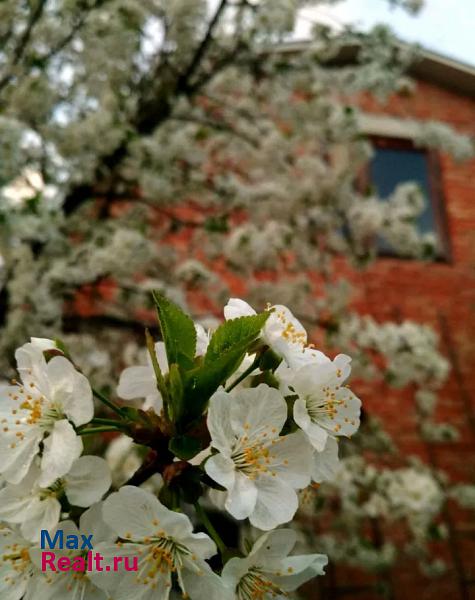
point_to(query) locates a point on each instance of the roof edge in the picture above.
(430, 66)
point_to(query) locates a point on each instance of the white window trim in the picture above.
(384, 126)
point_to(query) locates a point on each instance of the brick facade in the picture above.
(440, 294)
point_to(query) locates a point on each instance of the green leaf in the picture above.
(226, 350)
(243, 330)
(202, 382)
(176, 393)
(185, 447)
(178, 332)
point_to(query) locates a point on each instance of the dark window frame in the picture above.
(436, 192)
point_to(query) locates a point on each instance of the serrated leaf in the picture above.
(202, 382)
(240, 331)
(178, 332)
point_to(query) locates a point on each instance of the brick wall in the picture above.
(443, 296)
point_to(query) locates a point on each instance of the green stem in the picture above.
(100, 396)
(210, 528)
(247, 372)
(97, 430)
(108, 422)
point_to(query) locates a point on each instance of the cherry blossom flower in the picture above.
(259, 468)
(324, 406)
(39, 409)
(18, 575)
(164, 545)
(282, 332)
(268, 572)
(74, 584)
(35, 508)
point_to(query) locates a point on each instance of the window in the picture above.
(397, 161)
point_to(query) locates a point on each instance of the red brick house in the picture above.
(441, 294)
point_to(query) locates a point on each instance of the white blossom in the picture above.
(61, 585)
(268, 572)
(39, 409)
(259, 468)
(34, 508)
(284, 334)
(19, 577)
(324, 405)
(164, 545)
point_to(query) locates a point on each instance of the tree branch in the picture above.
(184, 79)
(22, 43)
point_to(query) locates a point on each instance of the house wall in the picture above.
(440, 294)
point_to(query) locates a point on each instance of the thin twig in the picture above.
(184, 79)
(100, 396)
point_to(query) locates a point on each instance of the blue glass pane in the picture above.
(390, 167)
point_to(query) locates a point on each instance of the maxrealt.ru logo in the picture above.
(86, 561)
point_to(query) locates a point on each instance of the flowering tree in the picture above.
(160, 145)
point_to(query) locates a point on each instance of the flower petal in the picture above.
(273, 545)
(299, 569)
(17, 454)
(131, 512)
(325, 464)
(87, 481)
(161, 353)
(31, 365)
(221, 469)
(202, 340)
(137, 382)
(134, 513)
(258, 413)
(61, 449)
(92, 521)
(276, 503)
(237, 308)
(242, 497)
(219, 423)
(345, 419)
(204, 584)
(292, 457)
(343, 363)
(316, 434)
(44, 515)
